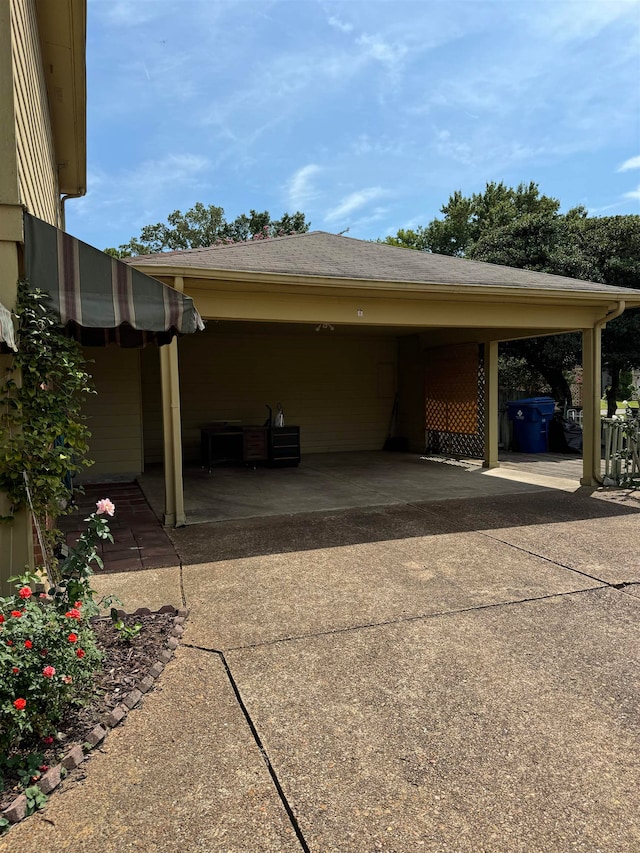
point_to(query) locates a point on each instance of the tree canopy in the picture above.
(206, 225)
(522, 228)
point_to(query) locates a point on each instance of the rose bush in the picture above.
(48, 652)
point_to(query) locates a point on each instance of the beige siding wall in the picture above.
(37, 169)
(114, 413)
(339, 389)
(152, 403)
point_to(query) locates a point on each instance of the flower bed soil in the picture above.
(125, 665)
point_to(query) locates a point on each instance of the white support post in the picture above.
(491, 405)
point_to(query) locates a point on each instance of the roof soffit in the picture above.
(62, 27)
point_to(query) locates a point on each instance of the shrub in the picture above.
(47, 660)
(48, 652)
(43, 434)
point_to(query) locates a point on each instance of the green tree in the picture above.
(522, 228)
(466, 219)
(204, 225)
(602, 249)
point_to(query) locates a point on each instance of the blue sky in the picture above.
(364, 115)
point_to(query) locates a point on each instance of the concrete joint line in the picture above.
(546, 559)
(263, 752)
(401, 620)
(183, 595)
(258, 741)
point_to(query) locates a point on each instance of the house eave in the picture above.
(435, 290)
(62, 25)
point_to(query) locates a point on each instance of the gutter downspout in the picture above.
(63, 225)
(595, 403)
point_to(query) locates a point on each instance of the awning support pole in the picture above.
(491, 405)
(174, 514)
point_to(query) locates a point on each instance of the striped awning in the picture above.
(99, 299)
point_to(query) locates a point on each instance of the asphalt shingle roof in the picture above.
(318, 253)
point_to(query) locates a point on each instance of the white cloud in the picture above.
(353, 202)
(452, 149)
(567, 21)
(300, 188)
(596, 211)
(340, 25)
(631, 163)
(635, 194)
(376, 48)
(172, 169)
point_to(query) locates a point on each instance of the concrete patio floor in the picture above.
(453, 675)
(333, 481)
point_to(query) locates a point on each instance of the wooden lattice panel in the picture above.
(451, 400)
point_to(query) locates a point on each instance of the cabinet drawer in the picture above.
(254, 445)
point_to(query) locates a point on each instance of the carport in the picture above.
(334, 327)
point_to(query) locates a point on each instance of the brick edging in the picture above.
(49, 781)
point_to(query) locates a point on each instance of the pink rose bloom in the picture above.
(105, 507)
(49, 671)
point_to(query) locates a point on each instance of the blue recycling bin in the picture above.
(530, 418)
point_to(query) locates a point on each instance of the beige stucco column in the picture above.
(174, 515)
(491, 405)
(591, 379)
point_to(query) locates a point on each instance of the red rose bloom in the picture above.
(25, 592)
(20, 704)
(28, 644)
(74, 613)
(16, 613)
(78, 604)
(80, 653)
(48, 740)
(9, 642)
(49, 671)
(15, 670)
(1, 618)
(73, 638)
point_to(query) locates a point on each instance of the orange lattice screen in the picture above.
(452, 390)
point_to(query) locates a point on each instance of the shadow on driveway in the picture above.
(228, 540)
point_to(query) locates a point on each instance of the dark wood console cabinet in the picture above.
(277, 446)
(284, 446)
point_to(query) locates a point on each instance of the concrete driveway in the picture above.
(458, 675)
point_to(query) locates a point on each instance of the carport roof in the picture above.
(319, 254)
